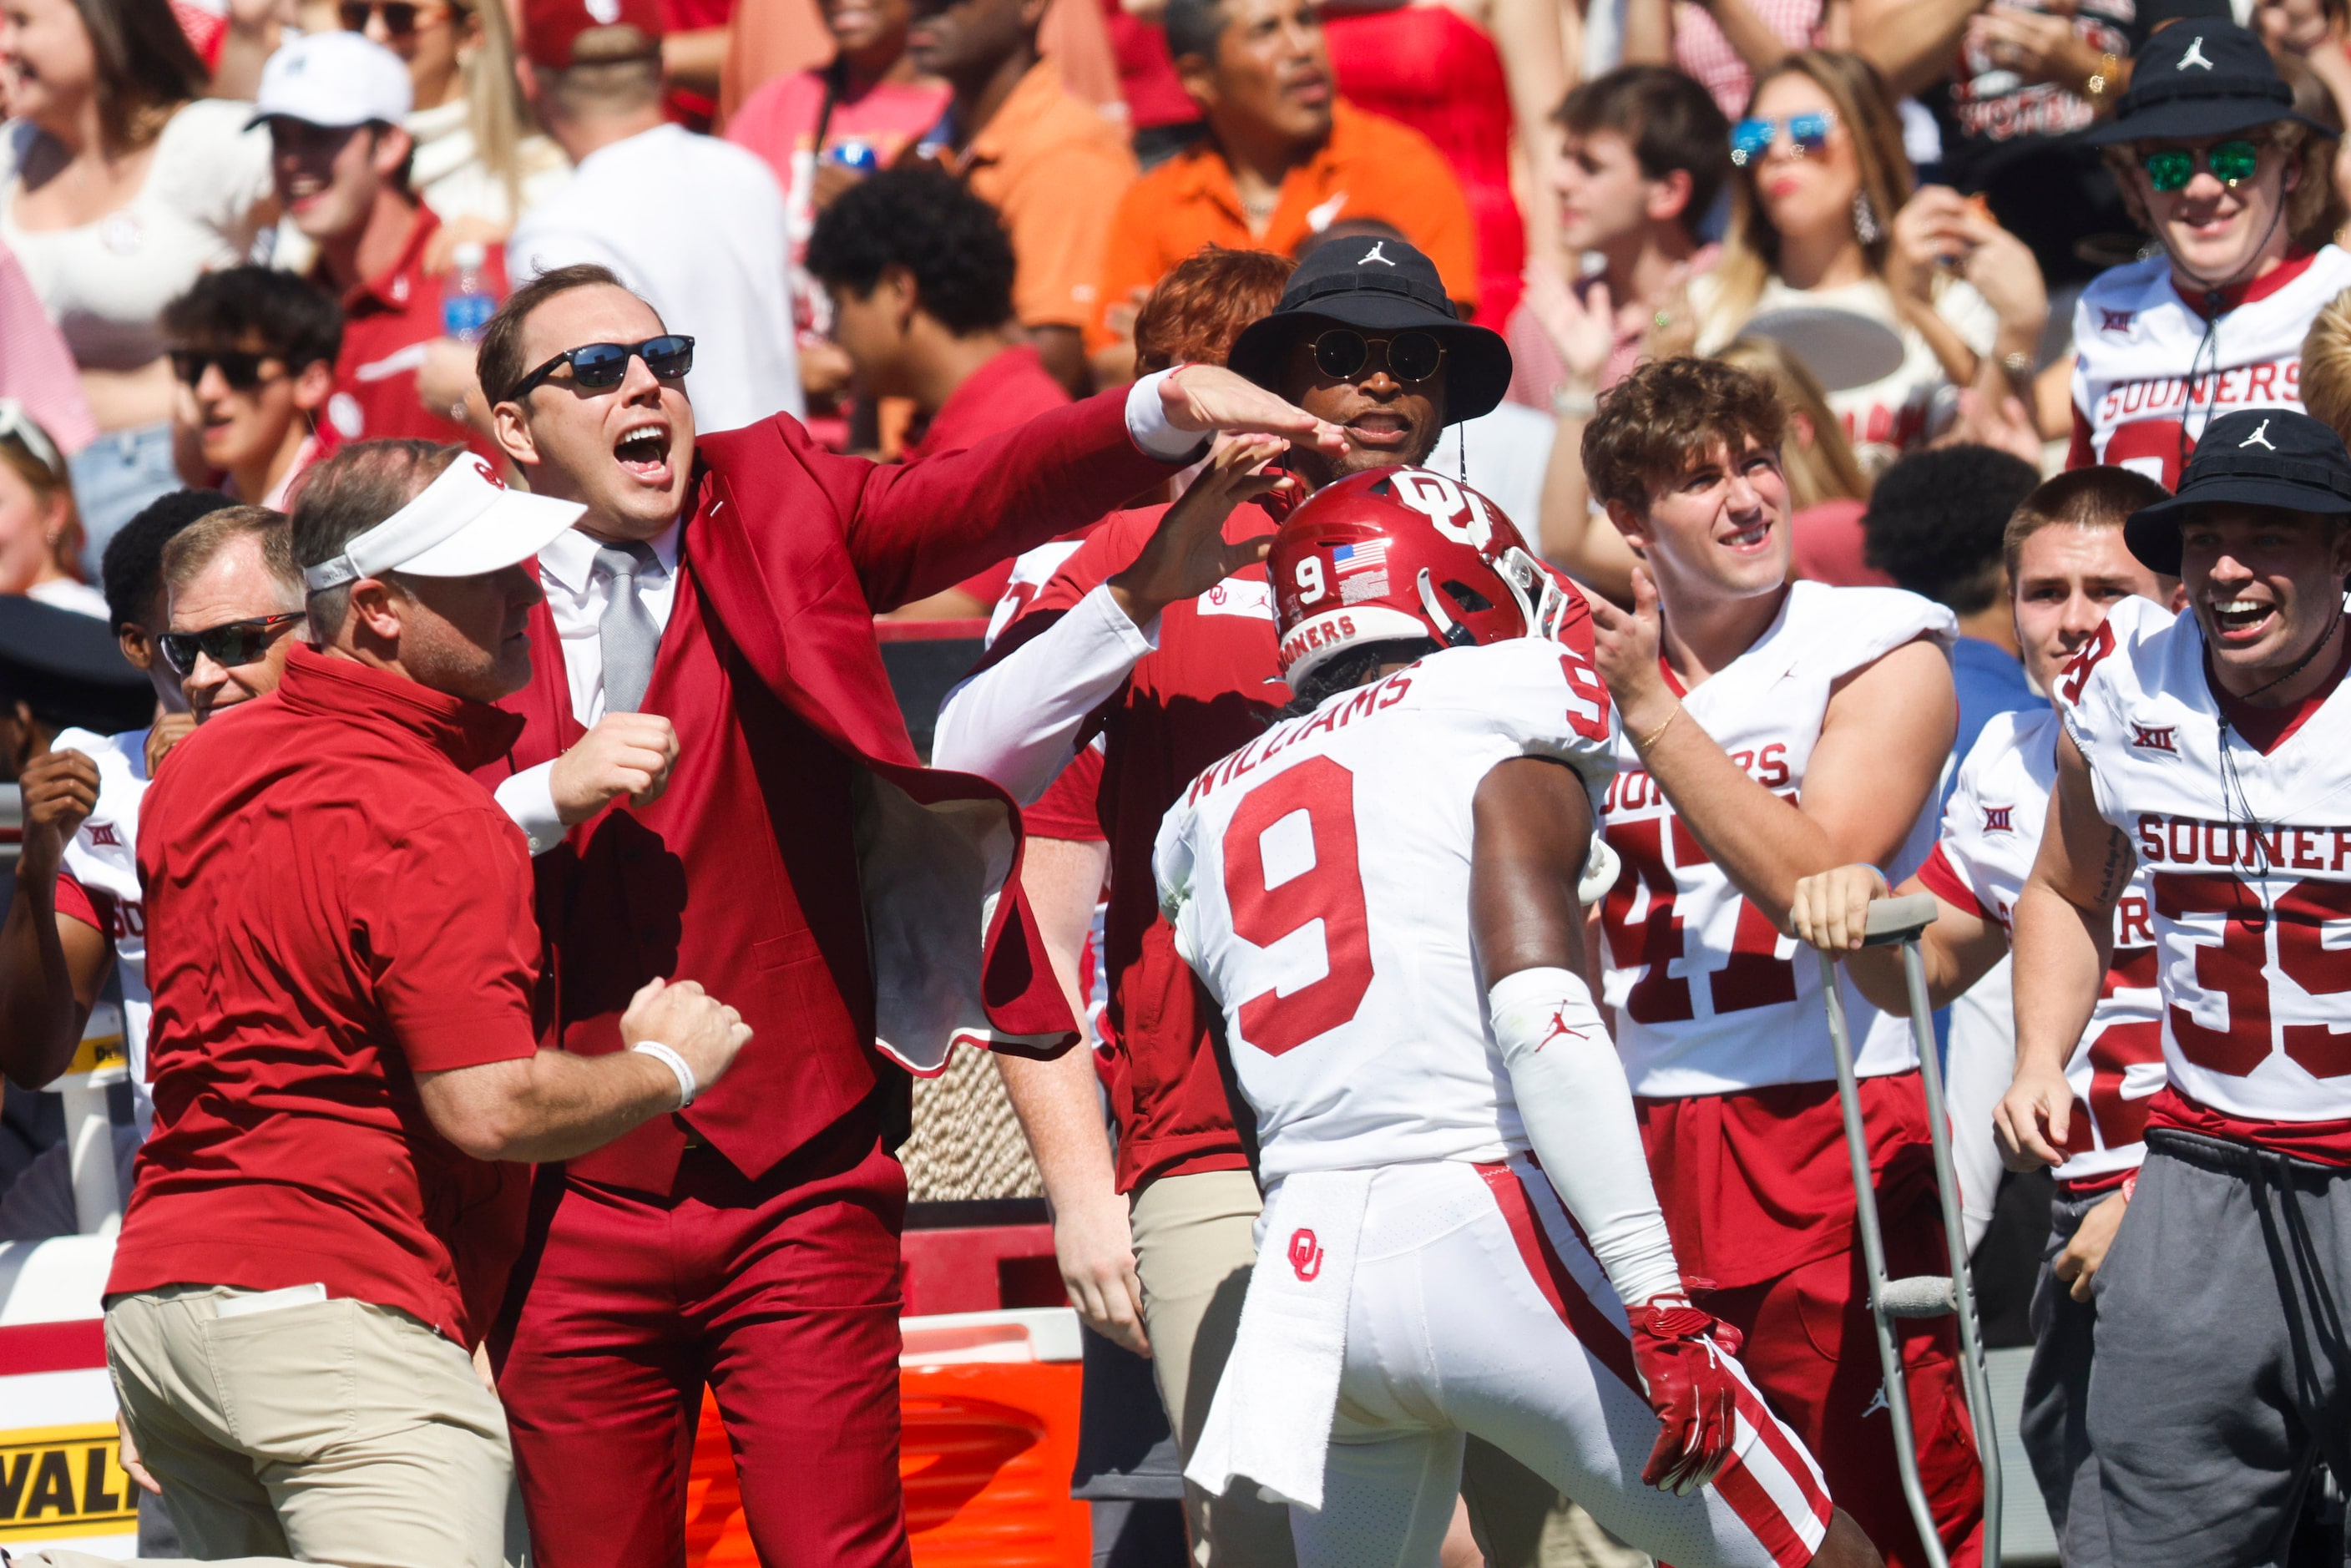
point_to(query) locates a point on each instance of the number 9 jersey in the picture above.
(1318, 881)
(2246, 854)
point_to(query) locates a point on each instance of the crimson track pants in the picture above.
(782, 1294)
(1812, 1350)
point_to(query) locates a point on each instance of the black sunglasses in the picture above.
(240, 369)
(597, 366)
(1343, 353)
(400, 16)
(229, 644)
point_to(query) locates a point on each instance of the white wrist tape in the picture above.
(686, 1087)
(1578, 1114)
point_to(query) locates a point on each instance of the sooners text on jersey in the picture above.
(2136, 341)
(1319, 882)
(1991, 831)
(1707, 997)
(2248, 873)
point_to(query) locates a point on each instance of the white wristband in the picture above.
(686, 1086)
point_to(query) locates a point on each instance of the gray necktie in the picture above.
(626, 632)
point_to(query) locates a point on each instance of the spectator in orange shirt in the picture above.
(1045, 159)
(1283, 158)
(921, 277)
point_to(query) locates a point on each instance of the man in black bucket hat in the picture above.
(2236, 187)
(2216, 748)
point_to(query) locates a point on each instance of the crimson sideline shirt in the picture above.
(387, 321)
(1210, 689)
(1009, 390)
(335, 905)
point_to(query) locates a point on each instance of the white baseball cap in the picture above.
(464, 524)
(334, 79)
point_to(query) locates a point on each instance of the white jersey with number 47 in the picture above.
(2247, 859)
(1319, 882)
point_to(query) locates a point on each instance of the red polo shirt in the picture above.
(387, 321)
(1009, 390)
(335, 907)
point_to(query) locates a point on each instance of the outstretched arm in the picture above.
(2065, 940)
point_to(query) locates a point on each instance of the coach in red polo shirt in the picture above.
(335, 104)
(862, 910)
(342, 954)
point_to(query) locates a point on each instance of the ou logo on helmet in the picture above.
(1445, 505)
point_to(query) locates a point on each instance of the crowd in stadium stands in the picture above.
(518, 427)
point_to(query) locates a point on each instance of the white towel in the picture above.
(1271, 1421)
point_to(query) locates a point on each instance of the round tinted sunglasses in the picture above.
(1341, 353)
(2169, 169)
(240, 369)
(1807, 133)
(228, 644)
(597, 367)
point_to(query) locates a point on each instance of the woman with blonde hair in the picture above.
(480, 161)
(40, 532)
(1827, 215)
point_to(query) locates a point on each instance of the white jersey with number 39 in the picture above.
(2248, 863)
(1318, 882)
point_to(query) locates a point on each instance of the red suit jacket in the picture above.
(802, 866)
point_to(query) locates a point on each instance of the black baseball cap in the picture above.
(69, 668)
(2201, 78)
(1378, 284)
(2254, 458)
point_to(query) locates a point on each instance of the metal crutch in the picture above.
(1891, 921)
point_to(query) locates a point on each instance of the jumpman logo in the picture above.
(1559, 1028)
(2258, 438)
(1374, 255)
(1878, 1401)
(2195, 55)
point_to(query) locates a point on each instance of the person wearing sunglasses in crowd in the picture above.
(1142, 628)
(2236, 188)
(335, 106)
(234, 599)
(254, 350)
(480, 161)
(1825, 215)
(77, 913)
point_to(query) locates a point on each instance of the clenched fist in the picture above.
(626, 754)
(60, 792)
(692, 1022)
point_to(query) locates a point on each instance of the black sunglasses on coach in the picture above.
(1342, 352)
(240, 369)
(596, 367)
(400, 16)
(230, 644)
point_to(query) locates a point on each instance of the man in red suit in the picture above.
(771, 832)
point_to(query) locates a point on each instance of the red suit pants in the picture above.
(782, 1294)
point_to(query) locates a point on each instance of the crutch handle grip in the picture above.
(1918, 1296)
(1892, 920)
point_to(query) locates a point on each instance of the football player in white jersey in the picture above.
(2237, 188)
(2069, 566)
(2210, 751)
(1770, 731)
(1380, 893)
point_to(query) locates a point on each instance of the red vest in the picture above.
(803, 864)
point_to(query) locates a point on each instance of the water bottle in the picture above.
(858, 156)
(466, 302)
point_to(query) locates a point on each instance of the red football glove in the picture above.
(1684, 1357)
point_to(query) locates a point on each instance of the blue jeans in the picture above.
(114, 478)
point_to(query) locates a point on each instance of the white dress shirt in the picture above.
(577, 593)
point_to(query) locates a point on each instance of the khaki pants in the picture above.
(1195, 1245)
(330, 1431)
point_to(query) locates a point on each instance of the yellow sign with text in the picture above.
(64, 1481)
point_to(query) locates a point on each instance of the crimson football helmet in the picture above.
(1399, 552)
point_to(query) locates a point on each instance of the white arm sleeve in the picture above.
(1016, 723)
(1578, 1114)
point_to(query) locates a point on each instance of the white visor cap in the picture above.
(464, 524)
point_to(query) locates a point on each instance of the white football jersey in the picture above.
(1708, 995)
(2136, 341)
(1319, 882)
(1991, 831)
(2247, 871)
(104, 858)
